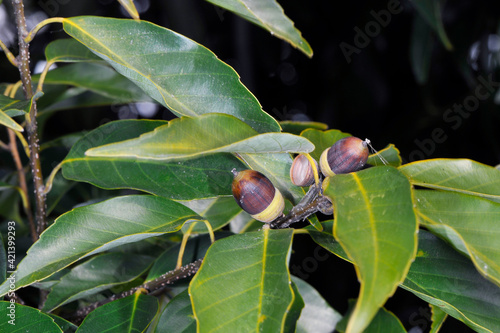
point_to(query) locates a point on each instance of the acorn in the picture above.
(346, 155)
(256, 195)
(301, 172)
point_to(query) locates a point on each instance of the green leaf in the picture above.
(438, 318)
(180, 74)
(269, 15)
(421, 43)
(68, 50)
(203, 177)
(129, 6)
(96, 228)
(177, 316)
(376, 226)
(296, 127)
(294, 311)
(390, 154)
(469, 223)
(130, 314)
(431, 12)
(441, 276)
(20, 318)
(96, 275)
(384, 321)
(460, 175)
(317, 316)
(9, 122)
(243, 284)
(13, 107)
(446, 279)
(218, 211)
(215, 133)
(97, 78)
(322, 139)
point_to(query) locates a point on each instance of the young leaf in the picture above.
(130, 314)
(376, 226)
(244, 284)
(389, 154)
(13, 107)
(438, 318)
(204, 177)
(269, 15)
(180, 74)
(96, 228)
(454, 216)
(215, 133)
(7, 121)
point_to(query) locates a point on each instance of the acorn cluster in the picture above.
(256, 195)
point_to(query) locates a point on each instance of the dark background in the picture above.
(375, 96)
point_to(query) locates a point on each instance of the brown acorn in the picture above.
(256, 195)
(346, 155)
(301, 172)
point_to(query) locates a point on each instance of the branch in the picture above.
(153, 288)
(31, 124)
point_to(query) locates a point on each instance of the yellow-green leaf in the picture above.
(376, 226)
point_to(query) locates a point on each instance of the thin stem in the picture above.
(31, 124)
(9, 54)
(152, 287)
(40, 25)
(22, 182)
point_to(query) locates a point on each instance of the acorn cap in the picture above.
(346, 155)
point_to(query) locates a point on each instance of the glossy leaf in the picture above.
(460, 175)
(431, 12)
(269, 15)
(455, 217)
(180, 74)
(68, 50)
(322, 139)
(438, 318)
(317, 316)
(244, 284)
(215, 133)
(99, 273)
(384, 321)
(13, 107)
(129, 6)
(7, 121)
(294, 311)
(204, 177)
(389, 154)
(376, 226)
(448, 280)
(98, 78)
(296, 127)
(20, 318)
(130, 314)
(441, 276)
(96, 228)
(177, 316)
